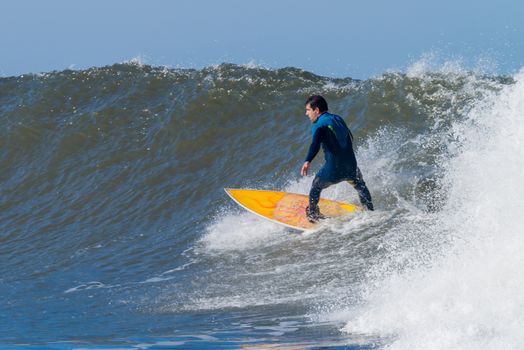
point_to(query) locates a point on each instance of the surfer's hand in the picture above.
(304, 169)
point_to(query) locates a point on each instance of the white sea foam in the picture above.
(254, 64)
(234, 231)
(87, 286)
(434, 62)
(139, 60)
(467, 294)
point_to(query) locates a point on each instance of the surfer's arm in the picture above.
(315, 145)
(313, 150)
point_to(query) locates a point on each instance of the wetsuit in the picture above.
(330, 131)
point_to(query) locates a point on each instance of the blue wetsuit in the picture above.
(330, 131)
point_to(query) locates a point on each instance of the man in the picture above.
(330, 131)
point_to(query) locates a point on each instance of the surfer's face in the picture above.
(312, 114)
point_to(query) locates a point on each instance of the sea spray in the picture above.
(468, 294)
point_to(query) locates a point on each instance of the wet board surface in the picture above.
(288, 209)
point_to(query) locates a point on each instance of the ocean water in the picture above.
(115, 232)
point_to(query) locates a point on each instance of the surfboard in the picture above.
(288, 209)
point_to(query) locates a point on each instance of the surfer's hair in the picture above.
(317, 101)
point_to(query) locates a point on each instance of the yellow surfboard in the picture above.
(288, 209)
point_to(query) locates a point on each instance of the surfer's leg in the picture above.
(312, 211)
(362, 190)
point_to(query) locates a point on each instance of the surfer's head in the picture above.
(315, 106)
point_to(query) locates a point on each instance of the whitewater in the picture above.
(468, 296)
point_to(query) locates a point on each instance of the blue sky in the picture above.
(334, 38)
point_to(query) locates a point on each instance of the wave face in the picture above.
(112, 208)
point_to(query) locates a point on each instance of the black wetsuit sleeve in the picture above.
(315, 145)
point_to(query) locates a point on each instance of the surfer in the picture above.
(330, 131)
